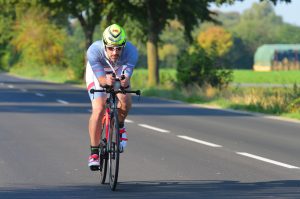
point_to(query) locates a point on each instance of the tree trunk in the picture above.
(152, 50)
(153, 77)
(88, 38)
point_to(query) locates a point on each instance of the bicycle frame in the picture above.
(106, 119)
(111, 103)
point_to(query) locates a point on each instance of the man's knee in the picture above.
(98, 111)
(98, 107)
(124, 104)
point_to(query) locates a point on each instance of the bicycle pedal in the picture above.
(94, 168)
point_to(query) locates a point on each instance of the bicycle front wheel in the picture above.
(114, 151)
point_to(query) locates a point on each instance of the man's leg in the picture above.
(95, 129)
(95, 123)
(124, 106)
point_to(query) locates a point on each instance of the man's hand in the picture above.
(107, 80)
(125, 82)
(110, 80)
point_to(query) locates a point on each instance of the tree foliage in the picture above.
(10, 10)
(37, 40)
(89, 13)
(215, 40)
(258, 25)
(153, 15)
(146, 21)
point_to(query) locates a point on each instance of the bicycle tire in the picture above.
(114, 151)
(103, 157)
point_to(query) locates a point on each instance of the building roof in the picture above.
(265, 53)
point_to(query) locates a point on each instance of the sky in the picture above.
(290, 12)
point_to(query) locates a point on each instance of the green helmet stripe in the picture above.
(114, 35)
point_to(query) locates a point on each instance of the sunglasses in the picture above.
(119, 48)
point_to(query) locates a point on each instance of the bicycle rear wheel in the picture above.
(103, 157)
(114, 151)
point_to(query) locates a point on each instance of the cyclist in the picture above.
(112, 53)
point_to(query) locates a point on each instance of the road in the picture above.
(175, 150)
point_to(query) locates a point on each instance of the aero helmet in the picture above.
(114, 35)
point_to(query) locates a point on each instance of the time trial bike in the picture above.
(110, 148)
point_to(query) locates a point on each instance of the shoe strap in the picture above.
(122, 130)
(94, 156)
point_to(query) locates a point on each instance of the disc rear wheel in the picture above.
(103, 157)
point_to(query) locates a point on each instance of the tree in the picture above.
(152, 15)
(258, 25)
(38, 41)
(10, 11)
(88, 12)
(215, 40)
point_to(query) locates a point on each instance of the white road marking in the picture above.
(267, 160)
(23, 90)
(198, 141)
(11, 86)
(128, 121)
(154, 128)
(39, 94)
(62, 101)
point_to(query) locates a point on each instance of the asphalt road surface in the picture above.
(175, 150)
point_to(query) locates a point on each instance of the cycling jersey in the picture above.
(98, 64)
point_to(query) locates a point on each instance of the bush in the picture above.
(294, 106)
(197, 67)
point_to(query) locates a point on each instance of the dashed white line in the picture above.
(267, 160)
(23, 90)
(11, 86)
(198, 141)
(128, 121)
(62, 101)
(154, 128)
(39, 94)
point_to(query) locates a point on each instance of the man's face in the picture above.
(113, 52)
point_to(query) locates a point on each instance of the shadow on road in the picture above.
(13, 99)
(166, 189)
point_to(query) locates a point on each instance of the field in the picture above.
(239, 76)
(274, 77)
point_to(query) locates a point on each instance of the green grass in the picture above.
(57, 75)
(275, 77)
(239, 76)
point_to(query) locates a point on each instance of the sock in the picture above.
(94, 150)
(121, 125)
